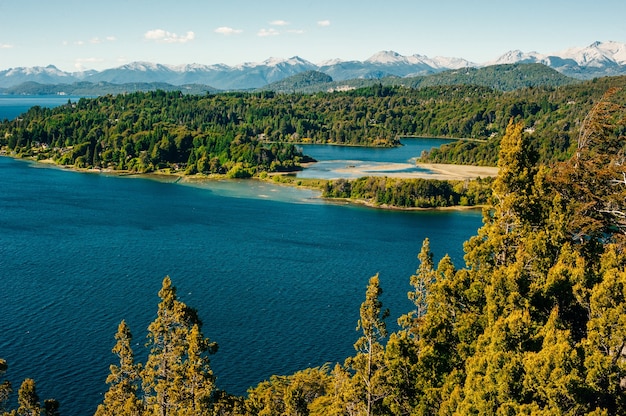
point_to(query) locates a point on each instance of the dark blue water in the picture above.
(276, 274)
(277, 283)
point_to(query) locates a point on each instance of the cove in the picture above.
(276, 274)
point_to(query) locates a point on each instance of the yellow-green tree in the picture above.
(605, 345)
(177, 379)
(28, 400)
(122, 396)
(368, 363)
(290, 395)
(5, 386)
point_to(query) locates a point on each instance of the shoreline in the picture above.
(441, 172)
(369, 204)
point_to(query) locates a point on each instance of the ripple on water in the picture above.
(277, 283)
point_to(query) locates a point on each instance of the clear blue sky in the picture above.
(85, 34)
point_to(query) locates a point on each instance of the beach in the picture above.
(439, 171)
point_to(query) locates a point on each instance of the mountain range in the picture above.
(596, 60)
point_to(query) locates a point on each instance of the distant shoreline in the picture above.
(441, 172)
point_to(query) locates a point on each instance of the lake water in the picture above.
(332, 160)
(12, 106)
(276, 274)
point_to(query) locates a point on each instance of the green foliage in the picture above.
(27, 398)
(177, 378)
(144, 132)
(304, 81)
(552, 116)
(498, 77)
(122, 396)
(289, 395)
(368, 363)
(411, 193)
(211, 133)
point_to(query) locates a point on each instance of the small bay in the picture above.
(333, 160)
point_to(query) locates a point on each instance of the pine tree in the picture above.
(421, 281)
(27, 399)
(177, 378)
(122, 396)
(199, 378)
(369, 360)
(605, 345)
(5, 386)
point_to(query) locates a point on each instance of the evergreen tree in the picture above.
(27, 399)
(177, 378)
(421, 281)
(605, 345)
(199, 378)
(368, 363)
(5, 386)
(122, 396)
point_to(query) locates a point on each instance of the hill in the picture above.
(90, 89)
(506, 77)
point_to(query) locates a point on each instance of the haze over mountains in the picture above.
(596, 60)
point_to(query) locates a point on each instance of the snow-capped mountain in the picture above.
(44, 75)
(597, 59)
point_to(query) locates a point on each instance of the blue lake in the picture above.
(352, 162)
(12, 106)
(276, 273)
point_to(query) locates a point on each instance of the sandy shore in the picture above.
(427, 170)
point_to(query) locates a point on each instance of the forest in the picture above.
(245, 134)
(534, 322)
(410, 193)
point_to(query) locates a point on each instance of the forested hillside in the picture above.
(509, 77)
(552, 117)
(248, 133)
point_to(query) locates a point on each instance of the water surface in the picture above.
(333, 160)
(276, 275)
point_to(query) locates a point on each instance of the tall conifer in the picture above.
(122, 397)
(368, 363)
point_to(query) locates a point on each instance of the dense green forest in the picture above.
(249, 133)
(411, 193)
(508, 77)
(534, 323)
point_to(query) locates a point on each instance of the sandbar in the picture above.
(439, 171)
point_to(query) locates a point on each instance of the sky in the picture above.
(77, 35)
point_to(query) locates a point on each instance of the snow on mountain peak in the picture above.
(37, 70)
(385, 57)
(517, 56)
(142, 66)
(294, 60)
(596, 59)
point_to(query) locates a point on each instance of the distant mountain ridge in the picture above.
(595, 60)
